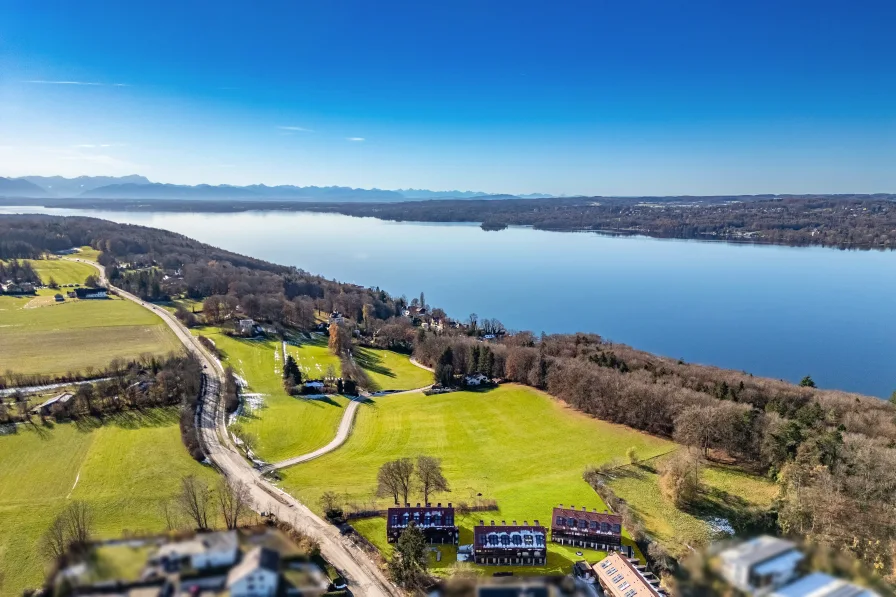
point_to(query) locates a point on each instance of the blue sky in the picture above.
(591, 97)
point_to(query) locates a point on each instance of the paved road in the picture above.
(365, 579)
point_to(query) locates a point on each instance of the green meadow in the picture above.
(512, 444)
(43, 336)
(124, 468)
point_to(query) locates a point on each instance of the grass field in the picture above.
(728, 493)
(389, 370)
(62, 271)
(55, 338)
(123, 469)
(513, 444)
(285, 425)
(313, 356)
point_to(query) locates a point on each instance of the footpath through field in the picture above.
(364, 577)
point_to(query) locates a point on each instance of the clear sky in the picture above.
(590, 97)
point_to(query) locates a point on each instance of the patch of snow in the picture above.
(720, 526)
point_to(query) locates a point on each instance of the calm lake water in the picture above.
(773, 311)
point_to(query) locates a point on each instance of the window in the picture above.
(630, 593)
(616, 578)
(561, 521)
(583, 524)
(605, 527)
(617, 528)
(593, 525)
(395, 519)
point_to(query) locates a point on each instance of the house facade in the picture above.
(509, 545)
(436, 522)
(594, 530)
(91, 293)
(258, 575)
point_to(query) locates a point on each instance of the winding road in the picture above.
(364, 577)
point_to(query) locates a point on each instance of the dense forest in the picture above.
(832, 453)
(845, 221)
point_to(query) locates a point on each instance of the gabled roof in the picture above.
(758, 550)
(260, 558)
(591, 516)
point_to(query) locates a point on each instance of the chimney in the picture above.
(503, 523)
(584, 508)
(428, 505)
(482, 523)
(407, 505)
(594, 510)
(536, 523)
(449, 504)
(439, 505)
(525, 523)
(561, 505)
(493, 523)
(418, 504)
(571, 507)
(514, 523)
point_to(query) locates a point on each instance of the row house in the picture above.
(509, 545)
(436, 522)
(581, 528)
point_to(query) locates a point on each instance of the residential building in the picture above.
(761, 564)
(436, 522)
(620, 576)
(205, 550)
(819, 584)
(91, 293)
(246, 327)
(257, 575)
(476, 379)
(594, 530)
(17, 288)
(509, 545)
(44, 409)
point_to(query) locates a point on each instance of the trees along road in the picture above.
(364, 577)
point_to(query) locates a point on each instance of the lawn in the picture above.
(42, 336)
(313, 356)
(512, 444)
(123, 469)
(389, 370)
(62, 271)
(285, 425)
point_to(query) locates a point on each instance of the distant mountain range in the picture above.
(139, 187)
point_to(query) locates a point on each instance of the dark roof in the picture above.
(417, 514)
(86, 291)
(591, 516)
(482, 532)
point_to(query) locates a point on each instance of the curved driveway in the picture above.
(364, 577)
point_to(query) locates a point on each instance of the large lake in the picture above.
(773, 311)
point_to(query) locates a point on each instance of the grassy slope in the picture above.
(286, 426)
(314, 357)
(389, 370)
(57, 338)
(126, 468)
(512, 444)
(64, 272)
(727, 491)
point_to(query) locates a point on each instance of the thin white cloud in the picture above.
(355, 139)
(300, 129)
(87, 83)
(97, 145)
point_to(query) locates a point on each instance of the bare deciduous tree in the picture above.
(54, 542)
(78, 521)
(235, 500)
(194, 499)
(429, 472)
(395, 478)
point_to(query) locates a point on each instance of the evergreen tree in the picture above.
(807, 382)
(474, 358)
(409, 560)
(444, 369)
